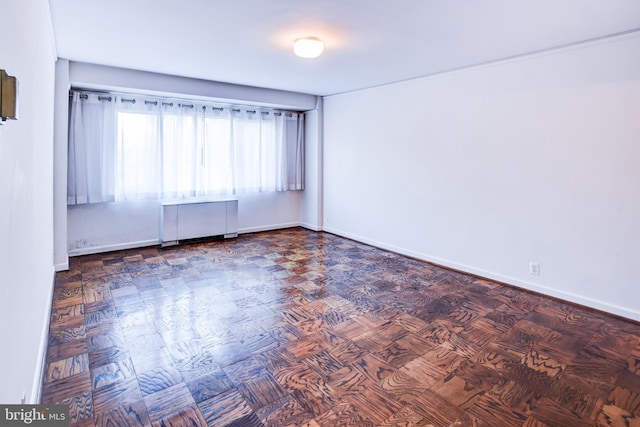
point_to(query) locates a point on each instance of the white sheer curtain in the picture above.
(138, 154)
(180, 145)
(218, 151)
(294, 151)
(289, 151)
(91, 151)
(125, 147)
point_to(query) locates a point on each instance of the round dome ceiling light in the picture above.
(308, 47)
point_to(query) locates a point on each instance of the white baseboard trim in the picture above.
(62, 266)
(38, 377)
(555, 293)
(142, 243)
(268, 227)
(312, 227)
(109, 248)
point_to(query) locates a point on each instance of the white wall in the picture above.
(111, 226)
(61, 132)
(91, 76)
(486, 169)
(26, 197)
(311, 206)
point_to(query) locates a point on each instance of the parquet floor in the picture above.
(296, 328)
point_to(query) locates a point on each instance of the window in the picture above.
(130, 147)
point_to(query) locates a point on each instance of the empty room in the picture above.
(320, 213)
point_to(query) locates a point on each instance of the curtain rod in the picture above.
(167, 101)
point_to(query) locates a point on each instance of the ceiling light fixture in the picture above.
(308, 47)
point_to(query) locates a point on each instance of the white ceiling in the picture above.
(367, 42)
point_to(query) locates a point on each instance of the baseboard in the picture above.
(142, 243)
(530, 286)
(312, 227)
(38, 378)
(110, 248)
(62, 266)
(268, 227)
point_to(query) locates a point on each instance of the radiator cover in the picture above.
(183, 220)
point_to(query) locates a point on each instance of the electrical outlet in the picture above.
(534, 268)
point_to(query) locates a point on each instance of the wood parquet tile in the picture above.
(297, 328)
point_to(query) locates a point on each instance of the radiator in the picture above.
(184, 220)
